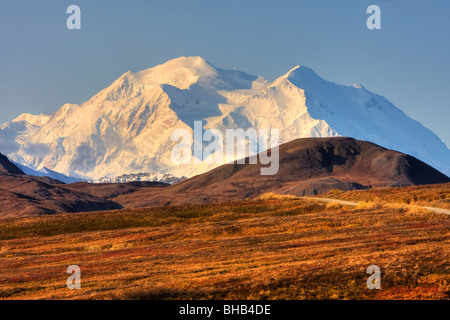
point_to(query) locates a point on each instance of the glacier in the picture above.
(125, 128)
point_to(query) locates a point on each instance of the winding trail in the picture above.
(329, 200)
(354, 204)
(438, 210)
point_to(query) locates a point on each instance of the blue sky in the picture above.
(44, 65)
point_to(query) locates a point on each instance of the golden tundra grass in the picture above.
(432, 195)
(269, 248)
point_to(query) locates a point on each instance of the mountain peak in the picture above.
(126, 128)
(196, 63)
(36, 120)
(180, 72)
(302, 73)
(190, 60)
(293, 69)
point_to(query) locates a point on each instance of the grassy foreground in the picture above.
(269, 248)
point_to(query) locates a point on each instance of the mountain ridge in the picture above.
(24, 195)
(7, 167)
(308, 166)
(125, 128)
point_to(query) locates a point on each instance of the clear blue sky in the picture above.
(44, 65)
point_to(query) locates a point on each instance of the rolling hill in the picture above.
(307, 166)
(22, 195)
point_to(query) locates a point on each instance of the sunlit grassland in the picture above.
(270, 248)
(437, 195)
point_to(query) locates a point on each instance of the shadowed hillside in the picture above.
(307, 167)
(22, 195)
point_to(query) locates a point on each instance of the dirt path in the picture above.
(329, 200)
(438, 210)
(354, 204)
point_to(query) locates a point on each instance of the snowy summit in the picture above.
(126, 127)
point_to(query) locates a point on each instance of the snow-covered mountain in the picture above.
(125, 128)
(143, 176)
(46, 172)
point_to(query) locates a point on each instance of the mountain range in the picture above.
(307, 166)
(125, 129)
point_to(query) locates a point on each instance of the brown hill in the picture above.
(307, 166)
(7, 167)
(112, 190)
(22, 195)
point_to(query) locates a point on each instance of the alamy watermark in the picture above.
(374, 21)
(374, 281)
(74, 280)
(191, 148)
(74, 20)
